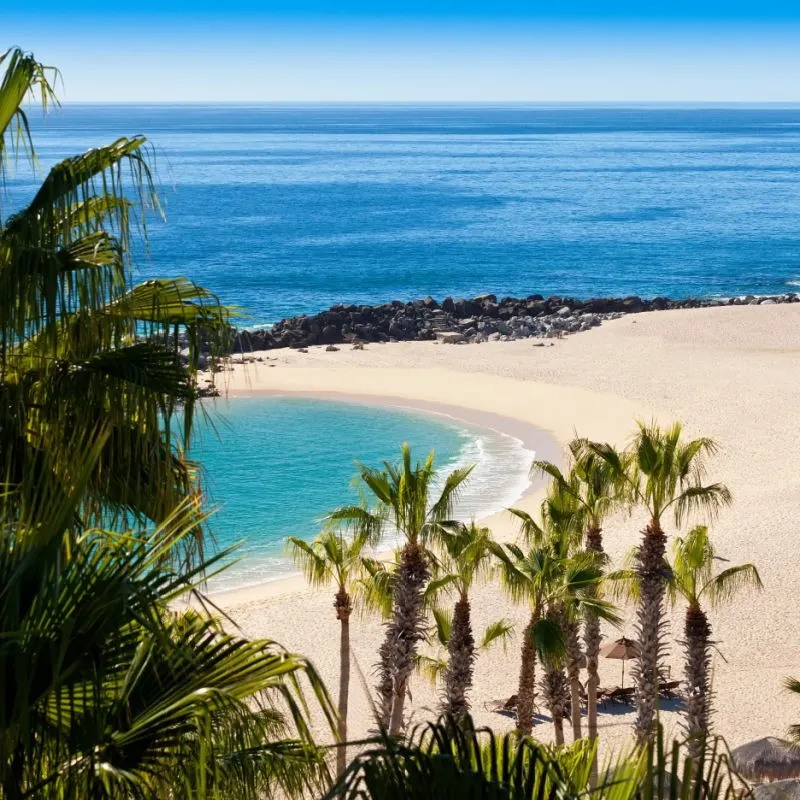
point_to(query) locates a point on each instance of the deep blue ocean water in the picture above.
(276, 466)
(288, 209)
(284, 209)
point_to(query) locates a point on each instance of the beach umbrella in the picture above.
(622, 649)
(767, 759)
(778, 790)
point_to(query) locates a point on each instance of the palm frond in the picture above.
(731, 581)
(498, 631)
(23, 77)
(452, 761)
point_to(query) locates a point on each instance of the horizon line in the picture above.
(580, 103)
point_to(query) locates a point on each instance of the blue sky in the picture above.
(352, 50)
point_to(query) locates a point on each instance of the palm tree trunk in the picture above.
(554, 686)
(461, 649)
(385, 684)
(406, 629)
(698, 659)
(573, 675)
(650, 573)
(591, 644)
(344, 609)
(527, 680)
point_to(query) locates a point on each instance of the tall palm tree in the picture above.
(80, 344)
(403, 502)
(526, 575)
(573, 593)
(695, 580)
(466, 557)
(558, 587)
(592, 485)
(110, 692)
(563, 515)
(334, 559)
(664, 473)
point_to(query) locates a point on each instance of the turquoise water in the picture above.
(287, 209)
(277, 465)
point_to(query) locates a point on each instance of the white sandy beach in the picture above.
(732, 373)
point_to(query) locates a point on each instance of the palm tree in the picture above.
(564, 519)
(333, 559)
(694, 579)
(109, 692)
(466, 557)
(81, 345)
(402, 494)
(573, 593)
(591, 484)
(558, 587)
(525, 576)
(663, 472)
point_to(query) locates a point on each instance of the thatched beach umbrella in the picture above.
(768, 759)
(778, 790)
(622, 649)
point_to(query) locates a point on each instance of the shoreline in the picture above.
(532, 438)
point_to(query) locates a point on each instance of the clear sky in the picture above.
(417, 50)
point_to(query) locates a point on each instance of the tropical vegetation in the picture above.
(117, 681)
(663, 473)
(114, 685)
(334, 559)
(446, 761)
(694, 579)
(404, 498)
(82, 346)
(590, 484)
(466, 558)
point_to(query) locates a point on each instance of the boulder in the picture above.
(450, 337)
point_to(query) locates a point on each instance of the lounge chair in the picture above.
(669, 689)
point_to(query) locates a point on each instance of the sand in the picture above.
(732, 373)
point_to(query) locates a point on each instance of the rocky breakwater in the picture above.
(479, 319)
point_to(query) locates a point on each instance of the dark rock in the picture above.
(476, 320)
(331, 333)
(632, 305)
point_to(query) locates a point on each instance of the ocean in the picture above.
(288, 209)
